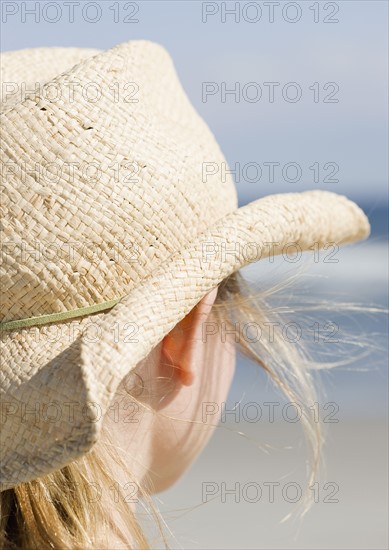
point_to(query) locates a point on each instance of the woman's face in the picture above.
(179, 390)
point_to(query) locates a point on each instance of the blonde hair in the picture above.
(59, 510)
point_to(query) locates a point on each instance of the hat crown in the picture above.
(104, 178)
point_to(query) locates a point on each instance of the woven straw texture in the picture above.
(136, 229)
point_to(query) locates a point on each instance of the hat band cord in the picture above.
(55, 317)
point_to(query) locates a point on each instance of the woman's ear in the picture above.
(178, 347)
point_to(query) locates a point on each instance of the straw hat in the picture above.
(111, 234)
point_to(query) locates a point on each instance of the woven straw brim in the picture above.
(88, 371)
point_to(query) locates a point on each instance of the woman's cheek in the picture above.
(219, 370)
(187, 424)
